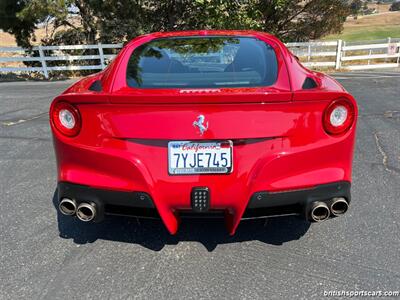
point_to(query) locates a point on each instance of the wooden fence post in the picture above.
(43, 61)
(101, 53)
(389, 40)
(338, 54)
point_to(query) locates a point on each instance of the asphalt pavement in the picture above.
(44, 255)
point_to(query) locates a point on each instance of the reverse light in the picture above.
(338, 116)
(66, 119)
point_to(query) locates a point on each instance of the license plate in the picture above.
(185, 157)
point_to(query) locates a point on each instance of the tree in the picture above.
(297, 20)
(90, 21)
(395, 6)
(355, 7)
(23, 28)
(67, 15)
(200, 14)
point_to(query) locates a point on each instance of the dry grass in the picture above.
(7, 40)
(382, 19)
(370, 27)
(380, 7)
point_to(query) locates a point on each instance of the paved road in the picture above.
(47, 256)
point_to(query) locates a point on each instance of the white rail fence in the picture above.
(45, 54)
(333, 54)
(349, 56)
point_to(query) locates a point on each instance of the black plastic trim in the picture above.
(294, 202)
(262, 204)
(211, 214)
(109, 202)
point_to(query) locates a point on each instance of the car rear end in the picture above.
(204, 124)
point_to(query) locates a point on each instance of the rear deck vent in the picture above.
(96, 86)
(309, 83)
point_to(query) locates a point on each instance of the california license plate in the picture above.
(186, 157)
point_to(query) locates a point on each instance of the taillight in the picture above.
(66, 119)
(339, 116)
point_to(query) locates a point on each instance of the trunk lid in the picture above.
(222, 121)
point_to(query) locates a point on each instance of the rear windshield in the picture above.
(202, 62)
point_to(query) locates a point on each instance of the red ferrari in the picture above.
(201, 124)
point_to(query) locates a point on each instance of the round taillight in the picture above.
(338, 116)
(66, 119)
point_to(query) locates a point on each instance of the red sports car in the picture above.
(204, 123)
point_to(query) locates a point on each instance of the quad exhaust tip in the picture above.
(86, 212)
(319, 211)
(67, 207)
(339, 206)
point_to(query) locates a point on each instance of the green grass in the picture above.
(367, 33)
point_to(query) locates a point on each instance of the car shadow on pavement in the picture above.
(153, 235)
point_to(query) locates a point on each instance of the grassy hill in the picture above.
(371, 27)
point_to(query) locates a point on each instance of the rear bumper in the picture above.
(273, 165)
(261, 204)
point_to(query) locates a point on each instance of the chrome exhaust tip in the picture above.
(67, 207)
(86, 212)
(319, 211)
(339, 206)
